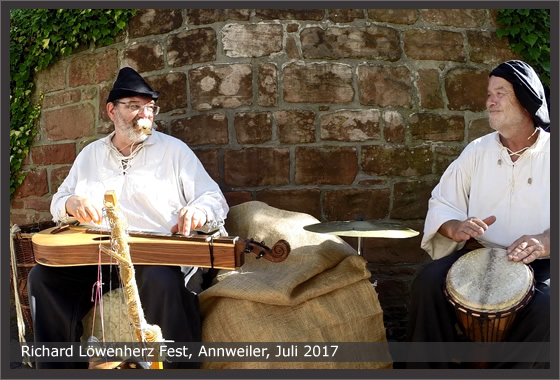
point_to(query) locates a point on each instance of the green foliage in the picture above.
(39, 38)
(528, 32)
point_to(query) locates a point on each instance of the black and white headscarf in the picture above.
(528, 89)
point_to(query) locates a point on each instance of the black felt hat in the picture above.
(528, 89)
(130, 83)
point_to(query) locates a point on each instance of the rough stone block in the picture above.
(437, 127)
(267, 85)
(290, 14)
(345, 15)
(291, 49)
(221, 86)
(61, 98)
(460, 18)
(385, 86)
(192, 46)
(252, 40)
(326, 165)
(466, 89)
(53, 154)
(210, 160)
(410, 199)
(210, 16)
(437, 45)
(370, 42)
(307, 201)
(172, 89)
(34, 184)
(478, 128)
(69, 123)
(144, 56)
(444, 156)
(104, 89)
(394, 126)
(356, 203)
(394, 16)
(396, 160)
(93, 68)
(53, 78)
(201, 129)
(251, 167)
(485, 47)
(350, 125)
(253, 127)
(154, 21)
(57, 176)
(430, 89)
(295, 126)
(38, 204)
(318, 83)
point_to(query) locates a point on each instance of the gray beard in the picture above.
(134, 134)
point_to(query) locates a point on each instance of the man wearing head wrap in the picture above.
(496, 194)
(161, 187)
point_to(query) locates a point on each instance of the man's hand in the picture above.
(190, 218)
(530, 247)
(83, 209)
(461, 231)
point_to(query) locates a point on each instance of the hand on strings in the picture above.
(464, 230)
(83, 209)
(190, 218)
(528, 248)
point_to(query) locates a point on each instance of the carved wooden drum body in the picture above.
(487, 291)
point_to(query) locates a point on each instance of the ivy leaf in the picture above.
(530, 39)
(514, 31)
(501, 33)
(534, 53)
(38, 38)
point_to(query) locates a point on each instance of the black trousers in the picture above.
(61, 296)
(432, 318)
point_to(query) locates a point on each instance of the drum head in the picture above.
(485, 280)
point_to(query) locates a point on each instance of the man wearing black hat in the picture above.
(161, 186)
(496, 194)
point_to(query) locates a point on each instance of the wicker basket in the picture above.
(25, 260)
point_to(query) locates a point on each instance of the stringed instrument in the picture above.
(79, 245)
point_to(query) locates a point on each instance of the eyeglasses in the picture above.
(151, 108)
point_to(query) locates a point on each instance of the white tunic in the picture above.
(151, 185)
(483, 181)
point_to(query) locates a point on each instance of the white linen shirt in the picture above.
(483, 181)
(161, 177)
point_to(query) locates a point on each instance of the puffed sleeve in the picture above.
(449, 201)
(204, 193)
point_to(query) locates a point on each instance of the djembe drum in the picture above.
(487, 291)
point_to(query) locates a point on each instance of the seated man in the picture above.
(161, 186)
(495, 194)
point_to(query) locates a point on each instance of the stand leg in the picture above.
(360, 247)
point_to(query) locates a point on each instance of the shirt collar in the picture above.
(151, 140)
(541, 139)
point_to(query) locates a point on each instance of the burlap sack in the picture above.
(320, 293)
(115, 326)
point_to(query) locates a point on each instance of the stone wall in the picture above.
(338, 113)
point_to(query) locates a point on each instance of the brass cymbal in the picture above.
(363, 228)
